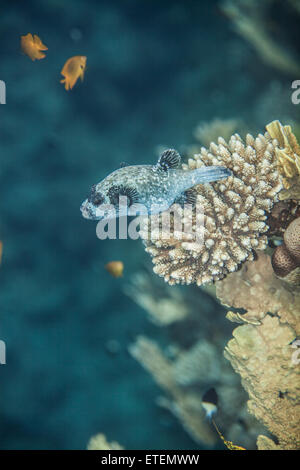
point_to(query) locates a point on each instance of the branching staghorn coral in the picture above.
(235, 213)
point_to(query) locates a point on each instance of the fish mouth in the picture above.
(87, 211)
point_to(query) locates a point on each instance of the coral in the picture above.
(255, 288)
(199, 364)
(288, 155)
(186, 406)
(251, 20)
(260, 350)
(286, 257)
(283, 213)
(186, 378)
(235, 213)
(208, 132)
(241, 214)
(99, 442)
(292, 239)
(261, 354)
(192, 362)
(296, 5)
(265, 443)
(164, 308)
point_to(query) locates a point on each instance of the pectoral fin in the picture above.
(188, 197)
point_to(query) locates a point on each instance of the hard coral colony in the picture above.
(265, 172)
(235, 212)
(241, 217)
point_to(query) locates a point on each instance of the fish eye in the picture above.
(96, 198)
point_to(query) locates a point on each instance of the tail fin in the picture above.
(208, 174)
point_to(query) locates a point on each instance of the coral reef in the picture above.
(242, 214)
(256, 289)
(245, 211)
(286, 257)
(283, 213)
(193, 362)
(235, 213)
(186, 406)
(288, 157)
(251, 19)
(262, 356)
(260, 350)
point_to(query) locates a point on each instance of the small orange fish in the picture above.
(32, 46)
(72, 70)
(115, 268)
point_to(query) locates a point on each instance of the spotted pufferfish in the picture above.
(155, 187)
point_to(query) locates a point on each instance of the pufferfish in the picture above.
(155, 187)
(32, 46)
(72, 70)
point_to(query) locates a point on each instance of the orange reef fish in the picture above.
(72, 70)
(32, 46)
(115, 268)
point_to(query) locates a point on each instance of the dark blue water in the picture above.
(154, 70)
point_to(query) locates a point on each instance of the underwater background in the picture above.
(155, 70)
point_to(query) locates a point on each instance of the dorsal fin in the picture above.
(169, 159)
